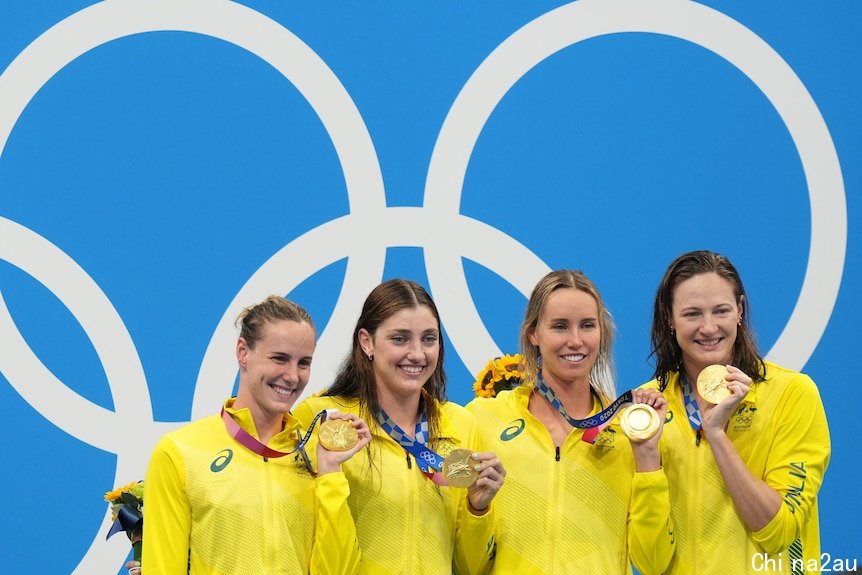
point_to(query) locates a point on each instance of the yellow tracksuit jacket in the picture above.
(216, 508)
(780, 432)
(406, 524)
(575, 509)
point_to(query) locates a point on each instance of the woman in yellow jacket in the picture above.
(744, 472)
(231, 493)
(576, 500)
(408, 520)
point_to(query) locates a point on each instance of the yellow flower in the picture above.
(500, 373)
(484, 385)
(508, 366)
(136, 488)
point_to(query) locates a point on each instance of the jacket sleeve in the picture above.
(796, 463)
(650, 528)
(335, 548)
(475, 543)
(168, 515)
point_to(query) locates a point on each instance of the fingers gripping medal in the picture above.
(459, 468)
(711, 384)
(639, 421)
(337, 435)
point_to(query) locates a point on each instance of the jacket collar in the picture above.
(286, 439)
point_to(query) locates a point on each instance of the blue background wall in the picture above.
(165, 163)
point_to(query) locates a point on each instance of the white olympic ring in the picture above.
(466, 237)
(428, 456)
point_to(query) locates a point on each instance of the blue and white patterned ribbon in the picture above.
(427, 459)
(592, 424)
(691, 407)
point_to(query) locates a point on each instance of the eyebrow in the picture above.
(408, 332)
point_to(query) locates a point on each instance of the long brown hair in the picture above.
(666, 350)
(355, 379)
(602, 372)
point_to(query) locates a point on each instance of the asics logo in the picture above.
(222, 461)
(514, 430)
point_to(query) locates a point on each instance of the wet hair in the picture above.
(274, 308)
(666, 350)
(356, 379)
(602, 372)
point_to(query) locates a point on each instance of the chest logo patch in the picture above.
(220, 462)
(605, 439)
(516, 426)
(743, 417)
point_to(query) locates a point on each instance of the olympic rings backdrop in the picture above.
(165, 162)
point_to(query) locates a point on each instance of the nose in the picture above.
(575, 338)
(709, 324)
(415, 351)
(290, 374)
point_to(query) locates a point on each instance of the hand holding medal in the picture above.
(643, 422)
(639, 422)
(459, 468)
(339, 437)
(482, 473)
(644, 419)
(722, 388)
(711, 383)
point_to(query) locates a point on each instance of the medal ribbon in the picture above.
(591, 425)
(428, 460)
(691, 407)
(251, 443)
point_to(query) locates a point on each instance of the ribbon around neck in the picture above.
(428, 460)
(251, 443)
(592, 425)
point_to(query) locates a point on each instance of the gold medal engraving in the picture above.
(711, 384)
(459, 468)
(337, 435)
(639, 421)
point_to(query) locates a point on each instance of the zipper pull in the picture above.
(409, 464)
(558, 453)
(697, 438)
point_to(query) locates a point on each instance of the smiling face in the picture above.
(705, 315)
(405, 349)
(275, 371)
(568, 337)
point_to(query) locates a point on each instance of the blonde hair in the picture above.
(602, 373)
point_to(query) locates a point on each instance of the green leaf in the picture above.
(130, 500)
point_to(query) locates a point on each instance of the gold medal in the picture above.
(459, 468)
(639, 421)
(337, 435)
(711, 384)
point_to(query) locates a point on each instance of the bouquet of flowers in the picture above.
(127, 511)
(501, 373)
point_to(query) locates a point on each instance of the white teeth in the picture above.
(412, 369)
(574, 357)
(282, 391)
